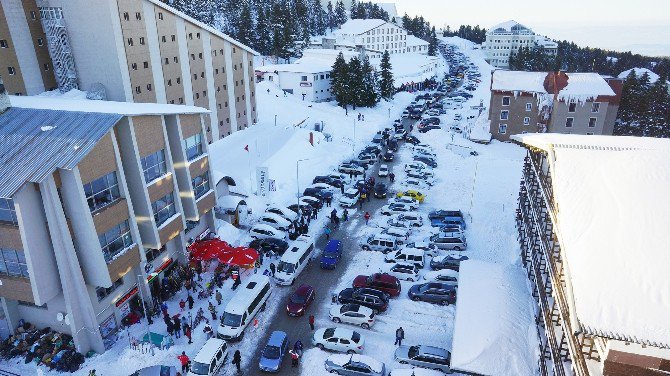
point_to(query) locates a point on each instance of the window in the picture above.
(3, 43)
(178, 80)
(138, 16)
(160, 15)
(504, 115)
(595, 107)
(102, 191)
(572, 107)
(192, 56)
(529, 106)
(169, 82)
(175, 59)
(40, 41)
(526, 121)
(152, 254)
(154, 166)
(200, 54)
(589, 133)
(173, 37)
(13, 263)
(193, 147)
(11, 71)
(163, 208)
(115, 240)
(142, 40)
(7, 212)
(502, 128)
(569, 121)
(149, 87)
(103, 292)
(126, 16)
(592, 122)
(134, 66)
(138, 89)
(167, 61)
(146, 64)
(200, 185)
(130, 41)
(46, 67)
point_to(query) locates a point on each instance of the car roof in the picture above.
(276, 338)
(274, 216)
(436, 351)
(303, 289)
(333, 245)
(208, 350)
(351, 190)
(384, 277)
(263, 226)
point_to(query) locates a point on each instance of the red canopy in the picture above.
(240, 256)
(216, 248)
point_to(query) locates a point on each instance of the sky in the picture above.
(641, 26)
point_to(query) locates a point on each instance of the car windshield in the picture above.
(231, 319)
(285, 267)
(271, 352)
(200, 368)
(297, 299)
(413, 351)
(350, 195)
(332, 254)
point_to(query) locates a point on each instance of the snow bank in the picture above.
(494, 330)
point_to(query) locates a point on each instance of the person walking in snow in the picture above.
(342, 188)
(208, 330)
(367, 217)
(399, 336)
(345, 215)
(337, 222)
(91, 373)
(218, 297)
(273, 269)
(164, 308)
(311, 322)
(212, 310)
(177, 327)
(294, 358)
(182, 305)
(190, 301)
(391, 177)
(237, 360)
(298, 347)
(184, 360)
(326, 232)
(333, 215)
(187, 333)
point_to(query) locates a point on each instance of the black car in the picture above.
(433, 292)
(447, 262)
(393, 145)
(321, 194)
(337, 183)
(274, 245)
(431, 120)
(427, 128)
(372, 149)
(371, 298)
(305, 208)
(412, 140)
(380, 190)
(429, 161)
(388, 156)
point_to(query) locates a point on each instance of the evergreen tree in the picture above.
(432, 43)
(386, 84)
(339, 83)
(330, 16)
(263, 34)
(246, 30)
(353, 11)
(355, 82)
(340, 14)
(370, 92)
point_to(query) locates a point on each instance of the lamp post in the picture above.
(297, 176)
(140, 281)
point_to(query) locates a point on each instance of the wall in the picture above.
(44, 63)
(517, 113)
(581, 115)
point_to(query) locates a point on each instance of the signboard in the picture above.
(305, 84)
(127, 296)
(124, 310)
(273, 185)
(262, 181)
(159, 269)
(108, 326)
(203, 234)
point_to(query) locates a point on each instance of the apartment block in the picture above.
(554, 102)
(504, 40)
(98, 200)
(140, 51)
(373, 35)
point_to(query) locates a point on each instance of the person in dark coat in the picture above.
(187, 333)
(342, 189)
(237, 360)
(177, 327)
(170, 327)
(311, 322)
(399, 336)
(273, 269)
(189, 299)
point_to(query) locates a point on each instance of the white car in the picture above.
(401, 234)
(417, 184)
(395, 208)
(420, 175)
(424, 172)
(395, 221)
(274, 220)
(283, 212)
(428, 248)
(445, 275)
(350, 197)
(414, 219)
(339, 339)
(354, 314)
(309, 200)
(404, 272)
(411, 202)
(324, 187)
(399, 135)
(383, 171)
(416, 165)
(263, 231)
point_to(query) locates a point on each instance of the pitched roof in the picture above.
(357, 27)
(414, 41)
(567, 86)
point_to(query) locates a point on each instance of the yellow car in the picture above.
(413, 194)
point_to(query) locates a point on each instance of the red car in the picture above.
(379, 281)
(300, 300)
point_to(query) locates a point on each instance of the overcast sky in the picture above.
(642, 26)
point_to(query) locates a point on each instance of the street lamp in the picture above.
(297, 176)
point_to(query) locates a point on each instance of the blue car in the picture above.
(331, 254)
(274, 352)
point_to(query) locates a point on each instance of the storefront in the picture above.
(108, 330)
(165, 280)
(130, 307)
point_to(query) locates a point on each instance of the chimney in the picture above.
(4, 99)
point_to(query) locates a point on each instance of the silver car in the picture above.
(424, 356)
(354, 365)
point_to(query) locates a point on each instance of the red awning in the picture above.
(218, 249)
(240, 256)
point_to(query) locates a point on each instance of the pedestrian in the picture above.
(326, 232)
(184, 360)
(212, 310)
(391, 177)
(368, 197)
(177, 327)
(333, 215)
(298, 347)
(187, 333)
(294, 358)
(208, 331)
(311, 322)
(345, 215)
(164, 308)
(337, 222)
(360, 203)
(273, 269)
(351, 175)
(170, 327)
(314, 214)
(184, 321)
(367, 217)
(189, 299)
(218, 297)
(91, 373)
(238, 279)
(182, 305)
(342, 188)
(237, 360)
(399, 336)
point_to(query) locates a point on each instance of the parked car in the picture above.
(395, 221)
(379, 281)
(331, 254)
(320, 194)
(449, 242)
(433, 292)
(350, 197)
(439, 218)
(392, 145)
(368, 158)
(407, 255)
(381, 243)
(401, 234)
(404, 271)
(337, 183)
(372, 149)
(388, 156)
(383, 171)
(354, 365)
(350, 169)
(263, 231)
(298, 302)
(377, 139)
(339, 339)
(267, 245)
(428, 248)
(283, 212)
(415, 165)
(412, 140)
(380, 190)
(312, 201)
(324, 187)
(272, 355)
(424, 356)
(395, 208)
(414, 219)
(415, 183)
(400, 134)
(447, 262)
(412, 194)
(363, 297)
(427, 128)
(274, 221)
(354, 314)
(447, 276)
(302, 207)
(428, 161)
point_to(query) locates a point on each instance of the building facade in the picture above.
(144, 51)
(554, 102)
(417, 45)
(307, 81)
(505, 39)
(373, 35)
(95, 223)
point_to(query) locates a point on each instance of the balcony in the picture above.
(170, 229)
(124, 263)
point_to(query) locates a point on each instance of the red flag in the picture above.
(246, 148)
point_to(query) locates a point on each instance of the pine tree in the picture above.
(370, 93)
(386, 77)
(432, 43)
(246, 30)
(340, 14)
(263, 35)
(330, 16)
(353, 11)
(339, 81)
(355, 82)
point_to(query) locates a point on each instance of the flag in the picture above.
(246, 148)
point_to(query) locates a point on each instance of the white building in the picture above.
(506, 38)
(417, 45)
(374, 35)
(309, 78)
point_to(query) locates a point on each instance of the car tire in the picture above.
(416, 299)
(337, 320)
(402, 362)
(333, 371)
(366, 248)
(365, 325)
(320, 346)
(457, 248)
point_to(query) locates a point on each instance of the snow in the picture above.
(303, 66)
(519, 81)
(493, 335)
(653, 77)
(610, 218)
(342, 359)
(414, 41)
(76, 103)
(580, 87)
(584, 86)
(359, 26)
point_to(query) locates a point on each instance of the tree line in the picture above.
(357, 84)
(645, 107)
(474, 34)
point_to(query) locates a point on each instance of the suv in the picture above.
(365, 297)
(447, 262)
(380, 243)
(350, 197)
(337, 183)
(425, 357)
(433, 292)
(379, 281)
(449, 242)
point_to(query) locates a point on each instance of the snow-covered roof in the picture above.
(305, 66)
(358, 26)
(529, 82)
(495, 335)
(613, 217)
(653, 77)
(507, 27)
(414, 41)
(585, 86)
(104, 107)
(545, 42)
(568, 86)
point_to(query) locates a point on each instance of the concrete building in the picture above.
(311, 81)
(373, 35)
(506, 38)
(578, 197)
(554, 102)
(98, 200)
(128, 50)
(417, 45)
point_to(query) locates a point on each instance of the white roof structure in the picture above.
(508, 27)
(496, 335)
(529, 82)
(583, 85)
(358, 26)
(579, 87)
(414, 41)
(653, 77)
(305, 66)
(545, 42)
(613, 216)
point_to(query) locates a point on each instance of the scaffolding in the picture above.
(561, 347)
(58, 43)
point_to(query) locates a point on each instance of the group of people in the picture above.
(301, 225)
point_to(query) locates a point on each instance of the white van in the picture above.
(294, 260)
(381, 243)
(243, 306)
(407, 255)
(210, 358)
(350, 197)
